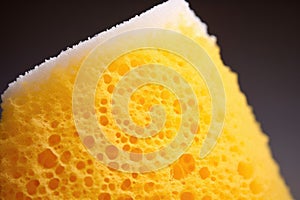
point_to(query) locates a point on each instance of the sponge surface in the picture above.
(42, 156)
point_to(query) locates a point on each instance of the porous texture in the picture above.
(42, 156)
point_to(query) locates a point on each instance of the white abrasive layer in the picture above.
(160, 16)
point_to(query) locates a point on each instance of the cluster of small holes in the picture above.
(139, 105)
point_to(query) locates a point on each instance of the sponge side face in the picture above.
(43, 157)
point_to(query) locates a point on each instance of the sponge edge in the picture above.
(160, 16)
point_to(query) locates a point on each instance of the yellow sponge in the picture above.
(44, 156)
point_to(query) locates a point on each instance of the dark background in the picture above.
(258, 40)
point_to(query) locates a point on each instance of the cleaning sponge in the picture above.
(43, 156)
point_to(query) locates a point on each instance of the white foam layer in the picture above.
(160, 16)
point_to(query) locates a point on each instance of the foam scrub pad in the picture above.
(46, 154)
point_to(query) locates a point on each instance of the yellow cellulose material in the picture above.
(42, 156)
